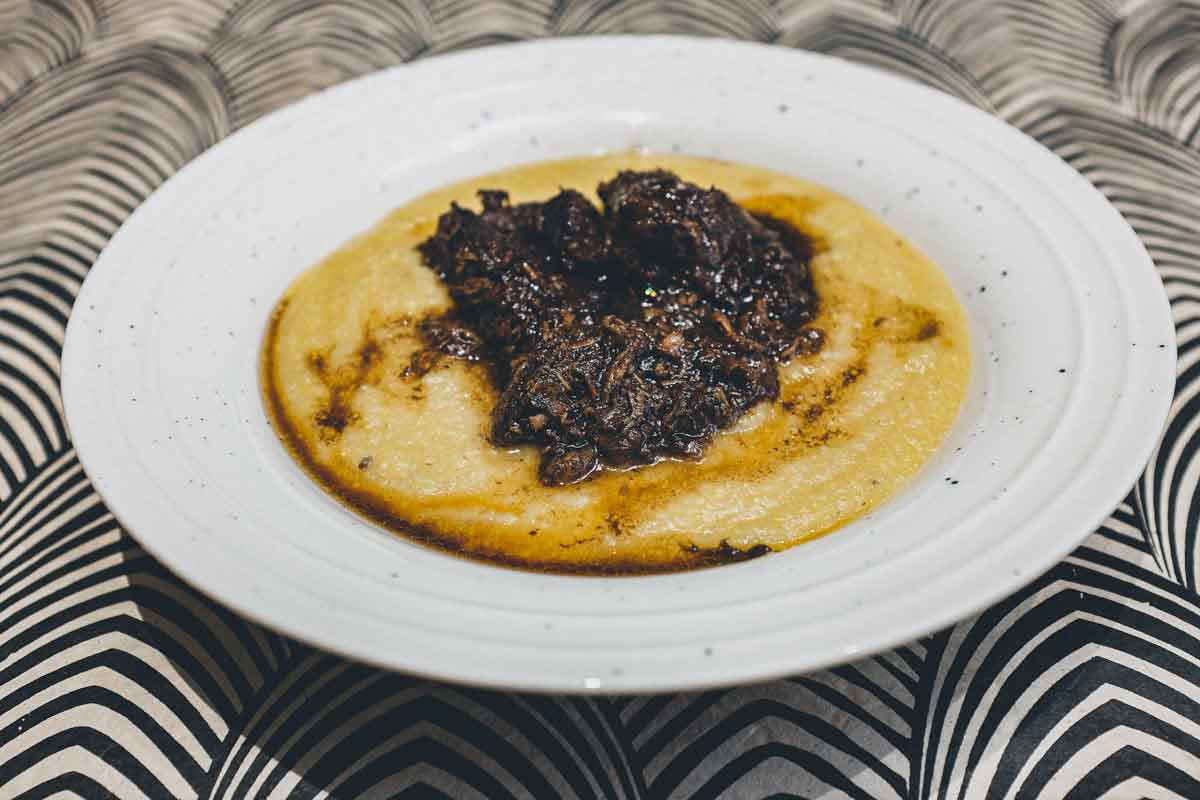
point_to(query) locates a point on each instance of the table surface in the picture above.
(118, 680)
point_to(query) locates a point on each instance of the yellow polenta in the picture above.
(853, 423)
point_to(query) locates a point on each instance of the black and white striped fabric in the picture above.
(116, 680)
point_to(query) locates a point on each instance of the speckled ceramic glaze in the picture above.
(1074, 364)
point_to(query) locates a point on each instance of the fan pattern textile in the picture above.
(118, 680)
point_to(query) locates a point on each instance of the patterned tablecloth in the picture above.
(118, 680)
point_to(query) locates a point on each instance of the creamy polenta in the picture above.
(853, 422)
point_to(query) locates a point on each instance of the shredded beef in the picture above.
(623, 335)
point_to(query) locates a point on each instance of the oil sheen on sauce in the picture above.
(852, 425)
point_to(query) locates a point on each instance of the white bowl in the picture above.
(1073, 348)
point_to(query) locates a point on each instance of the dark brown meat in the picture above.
(621, 337)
